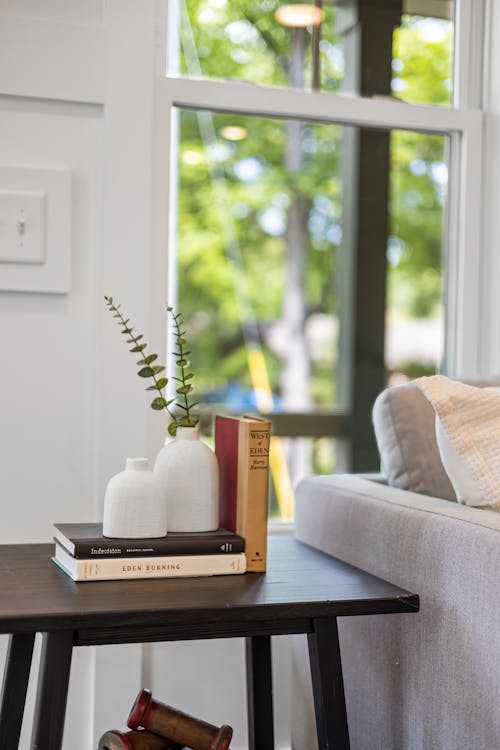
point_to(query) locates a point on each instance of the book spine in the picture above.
(253, 488)
(97, 549)
(226, 451)
(155, 567)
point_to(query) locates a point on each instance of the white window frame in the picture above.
(462, 123)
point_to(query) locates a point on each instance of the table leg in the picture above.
(52, 691)
(14, 688)
(328, 685)
(259, 693)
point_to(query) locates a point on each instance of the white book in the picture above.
(171, 566)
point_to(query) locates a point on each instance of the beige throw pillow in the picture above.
(467, 427)
(404, 423)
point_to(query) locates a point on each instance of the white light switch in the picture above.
(22, 226)
(35, 228)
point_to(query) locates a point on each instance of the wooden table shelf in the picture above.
(304, 591)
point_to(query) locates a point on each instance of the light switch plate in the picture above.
(35, 237)
(22, 227)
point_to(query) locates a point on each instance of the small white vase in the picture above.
(189, 473)
(134, 505)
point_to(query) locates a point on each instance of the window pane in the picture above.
(266, 218)
(422, 63)
(368, 48)
(259, 231)
(415, 319)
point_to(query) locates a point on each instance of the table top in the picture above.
(301, 583)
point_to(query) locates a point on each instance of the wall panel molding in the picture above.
(51, 59)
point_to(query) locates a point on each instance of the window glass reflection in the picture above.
(333, 48)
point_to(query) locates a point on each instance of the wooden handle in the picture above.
(135, 740)
(176, 725)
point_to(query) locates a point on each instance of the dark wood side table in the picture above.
(304, 591)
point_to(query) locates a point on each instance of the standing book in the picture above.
(171, 566)
(242, 450)
(87, 540)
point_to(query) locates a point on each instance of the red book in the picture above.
(226, 450)
(242, 450)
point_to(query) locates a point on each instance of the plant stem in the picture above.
(181, 352)
(137, 342)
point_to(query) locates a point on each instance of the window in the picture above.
(318, 238)
(273, 43)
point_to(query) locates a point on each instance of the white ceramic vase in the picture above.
(189, 473)
(134, 504)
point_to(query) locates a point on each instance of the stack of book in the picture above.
(84, 554)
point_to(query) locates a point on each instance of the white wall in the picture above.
(489, 333)
(76, 84)
(77, 91)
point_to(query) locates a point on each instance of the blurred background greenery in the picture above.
(261, 207)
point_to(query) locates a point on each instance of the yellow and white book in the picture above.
(172, 566)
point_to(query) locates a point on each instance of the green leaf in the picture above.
(182, 362)
(180, 340)
(189, 376)
(158, 369)
(187, 422)
(139, 348)
(127, 330)
(159, 403)
(184, 389)
(162, 382)
(146, 372)
(147, 360)
(152, 388)
(172, 429)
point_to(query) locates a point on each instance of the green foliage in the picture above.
(232, 269)
(424, 62)
(160, 403)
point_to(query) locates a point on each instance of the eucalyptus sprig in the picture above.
(185, 387)
(147, 369)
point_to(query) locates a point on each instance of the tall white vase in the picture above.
(189, 473)
(134, 505)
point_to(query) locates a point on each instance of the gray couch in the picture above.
(429, 681)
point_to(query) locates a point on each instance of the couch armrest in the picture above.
(389, 531)
(416, 681)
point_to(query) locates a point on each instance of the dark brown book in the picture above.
(85, 540)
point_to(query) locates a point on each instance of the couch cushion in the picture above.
(404, 423)
(468, 437)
